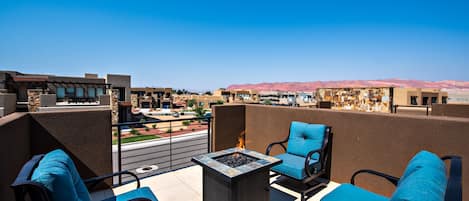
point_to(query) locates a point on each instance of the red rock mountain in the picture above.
(310, 86)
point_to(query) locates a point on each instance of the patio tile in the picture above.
(186, 185)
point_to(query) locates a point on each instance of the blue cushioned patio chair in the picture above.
(54, 177)
(425, 179)
(305, 159)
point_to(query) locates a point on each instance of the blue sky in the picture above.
(210, 44)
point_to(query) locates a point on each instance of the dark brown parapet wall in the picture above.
(450, 110)
(14, 150)
(228, 124)
(85, 135)
(383, 142)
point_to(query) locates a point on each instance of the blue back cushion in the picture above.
(304, 138)
(423, 180)
(59, 175)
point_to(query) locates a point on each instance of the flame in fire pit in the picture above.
(241, 140)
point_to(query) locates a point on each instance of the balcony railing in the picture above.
(160, 145)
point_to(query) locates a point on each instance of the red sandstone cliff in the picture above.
(310, 86)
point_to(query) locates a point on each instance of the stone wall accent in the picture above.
(34, 100)
(114, 103)
(134, 100)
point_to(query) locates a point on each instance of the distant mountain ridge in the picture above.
(311, 86)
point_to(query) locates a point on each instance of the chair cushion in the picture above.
(304, 138)
(349, 192)
(59, 175)
(293, 165)
(143, 192)
(422, 159)
(424, 179)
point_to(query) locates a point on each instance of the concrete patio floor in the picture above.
(186, 185)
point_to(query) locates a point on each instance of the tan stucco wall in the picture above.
(383, 142)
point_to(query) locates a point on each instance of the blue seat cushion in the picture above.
(305, 137)
(293, 165)
(424, 179)
(349, 192)
(58, 174)
(422, 159)
(143, 192)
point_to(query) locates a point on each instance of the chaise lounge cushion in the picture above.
(424, 179)
(58, 174)
(293, 165)
(143, 192)
(349, 192)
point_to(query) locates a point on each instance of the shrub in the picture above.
(134, 132)
(181, 129)
(115, 134)
(147, 129)
(169, 131)
(186, 123)
(153, 126)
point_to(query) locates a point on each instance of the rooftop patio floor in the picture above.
(186, 185)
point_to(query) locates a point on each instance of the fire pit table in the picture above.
(236, 175)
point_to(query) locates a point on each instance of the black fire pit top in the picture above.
(235, 159)
(225, 163)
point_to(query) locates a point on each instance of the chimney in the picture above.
(91, 75)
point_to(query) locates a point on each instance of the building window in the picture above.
(425, 101)
(99, 91)
(60, 92)
(444, 99)
(413, 100)
(434, 100)
(91, 92)
(80, 92)
(70, 92)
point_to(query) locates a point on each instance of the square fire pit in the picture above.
(236, 175)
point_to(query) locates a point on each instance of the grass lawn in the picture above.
(136, 138)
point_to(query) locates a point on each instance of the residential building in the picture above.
(238, 96)
(269, 97)
(204, 101)
(149, 97)
(62, 90)
(378, 99)
(120, 83)
(419, 96)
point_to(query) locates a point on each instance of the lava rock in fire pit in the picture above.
(235, 159)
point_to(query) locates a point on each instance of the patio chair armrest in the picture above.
(267, 151)
(392, 179)
(454, 187)
(308, 158)
(92, 182)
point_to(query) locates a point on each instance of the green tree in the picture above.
(208, 93)
(220, 102)
(267, 102)
(199, 112)
(191, 102)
